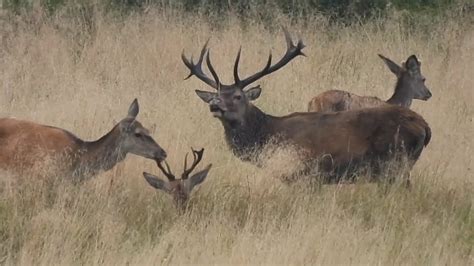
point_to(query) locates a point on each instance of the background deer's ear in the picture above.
(253, 93)
(198, 178)
(157, 183)
(206, 96)
(412, 63)
(133, 109)
(396, 69)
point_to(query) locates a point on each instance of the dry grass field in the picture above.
(61, 72)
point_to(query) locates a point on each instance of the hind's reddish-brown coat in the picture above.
(337, 100)
(25, 143)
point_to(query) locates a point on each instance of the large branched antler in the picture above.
(196, 69)
(197, 158)
(292, 51)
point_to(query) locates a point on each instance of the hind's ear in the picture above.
(253, 93)
(396, 69)
(412, 63)
(133, 109)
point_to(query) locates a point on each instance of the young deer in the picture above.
(338, 143)
(410, 85)
(180, 189)
(23, 145)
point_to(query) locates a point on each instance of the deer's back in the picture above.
(24, 143)
(337, 100)
(347, 136)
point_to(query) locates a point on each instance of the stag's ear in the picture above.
(206, 96)
(156, 182)
(412, 64)
(133, 109)
(198, 178)
(253, 93)
(396, 69)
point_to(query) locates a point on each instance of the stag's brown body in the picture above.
(410, 85)
(346, 140)
(26, 145)
(339, 143)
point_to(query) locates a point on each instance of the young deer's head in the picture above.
(136, 139)
(231, 102)
(181, 188)
(411, 83)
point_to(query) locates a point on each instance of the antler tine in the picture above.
(269, 62)
(185, 162)
(213, 71)
(196, 69)
(203, 52)
(197, 158)
(236, 67)
(166, 172)
(292, 51)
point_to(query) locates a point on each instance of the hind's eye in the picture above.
(237, 97)
(138, 135)
(424, 79)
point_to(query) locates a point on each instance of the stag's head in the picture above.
(410, 79)
(181, 188)
(231, 102)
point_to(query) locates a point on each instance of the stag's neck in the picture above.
(401, 96)
(100, 155)
(247, 137)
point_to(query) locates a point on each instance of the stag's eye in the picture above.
(237, 97)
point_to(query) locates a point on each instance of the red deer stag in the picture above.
(179, 188)
(338, 143)
(23, 145)
(410, 85)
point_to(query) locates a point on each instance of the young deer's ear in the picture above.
(253, 93)
(412, 63)
(396, 69)
(157, 183)
(133, 109)
(198, 178)
(206, 96)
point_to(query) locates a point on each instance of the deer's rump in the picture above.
(23, 144)
(360, 137)
(338, 100)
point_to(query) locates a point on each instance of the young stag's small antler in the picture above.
(292, 51)
(166, 172)
(179, 188)
(197, 158)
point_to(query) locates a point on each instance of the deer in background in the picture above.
(181, 188)
(24, 144)
(410, 85)
(338, 144)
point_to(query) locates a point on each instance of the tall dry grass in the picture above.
(82, 78)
